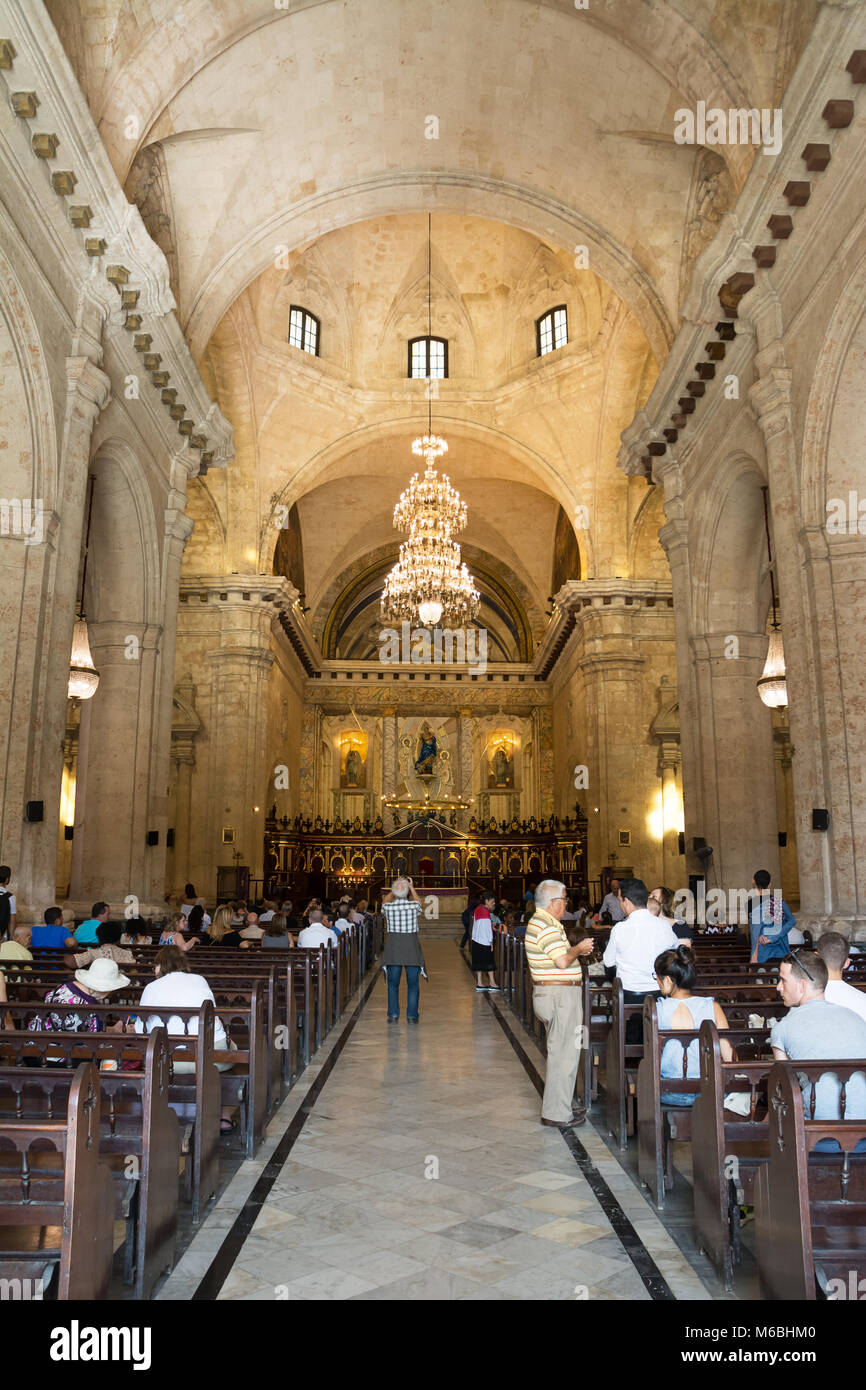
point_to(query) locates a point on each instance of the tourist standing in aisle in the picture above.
(402, 911)
(557, 1001)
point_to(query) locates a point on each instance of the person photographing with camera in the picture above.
(402, 911)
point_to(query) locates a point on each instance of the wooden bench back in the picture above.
(84, 1205)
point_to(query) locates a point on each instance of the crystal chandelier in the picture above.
(430, 580)
(772, 685)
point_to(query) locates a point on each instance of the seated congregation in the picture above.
(727, 1067)
(175, 1042)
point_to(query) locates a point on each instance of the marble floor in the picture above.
(409, 1163)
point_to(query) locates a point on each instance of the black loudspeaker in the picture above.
(783, 839)
(698, 843)
(169, 839)
(153, 837)
(33, 811)
(68, 832)
(681, 842)
(820, 820)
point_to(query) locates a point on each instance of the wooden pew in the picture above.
(194, 1097)
(738, 1001)
(727, 1150)
(80, 1200)
(810, 1208)
(620, 1078)
(660, 1125)
(136, 1124)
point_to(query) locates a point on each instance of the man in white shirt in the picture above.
(833, 950)
(316, 934)
(612, 903)
(633, 947)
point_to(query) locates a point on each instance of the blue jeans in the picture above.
(413, 973)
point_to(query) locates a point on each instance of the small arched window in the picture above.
(551, 330)
(428, 358)
(303, 330)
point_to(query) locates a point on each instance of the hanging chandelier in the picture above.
(83, 675)
(772, 685)
(430, 580)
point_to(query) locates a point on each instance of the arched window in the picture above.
(303, 330)
(428, 357)
(551, 330)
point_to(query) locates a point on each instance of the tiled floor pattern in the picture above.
(423, 1172)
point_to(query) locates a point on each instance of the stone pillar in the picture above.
(669, 763)
(674, 537)
(790, 884)
(390, 769)
(110, 854)
(184, 759)
(178, 529)
(33, 763)
(737, 770)
(226, 636)
(465, 741)
(827, 723)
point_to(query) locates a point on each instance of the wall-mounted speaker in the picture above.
(681, 842)
(820, 820)
(68, 832)
(34, 811)
(698, 842)
(169, 839)
(783, 839)
(153, 837)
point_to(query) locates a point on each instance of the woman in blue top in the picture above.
(770, 920)
(677, 1009)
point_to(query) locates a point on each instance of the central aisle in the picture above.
(422, 1172)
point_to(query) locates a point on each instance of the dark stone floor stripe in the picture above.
(224, 1260)
(653, 1280)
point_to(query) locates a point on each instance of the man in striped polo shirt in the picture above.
(557, 1001)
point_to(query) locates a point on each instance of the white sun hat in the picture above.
(103, 975)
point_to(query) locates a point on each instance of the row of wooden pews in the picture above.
(154, 1099)
(810, 1205)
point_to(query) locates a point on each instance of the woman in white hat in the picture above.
(91, 986)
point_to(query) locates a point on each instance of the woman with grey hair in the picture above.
(402, 910)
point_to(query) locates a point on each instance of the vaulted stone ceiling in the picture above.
(285, 156)
(269, 125)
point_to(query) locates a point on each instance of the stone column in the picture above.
(110, 851)
(178, 529)
(825, 725)
(669, 763)
(737, 771)
(183, 757)
(33, 764)
(674, 537)
(390, 769)
(785, 802)
(465, 751)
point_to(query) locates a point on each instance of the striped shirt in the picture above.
(545, 942)
(402, 914)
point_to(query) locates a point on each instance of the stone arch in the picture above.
(388, 194)
(828, 394)
(730, 585)
(122, 586)
(22, 356)
(647, 559)
(329, 462)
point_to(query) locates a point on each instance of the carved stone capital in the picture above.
(89, 387)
